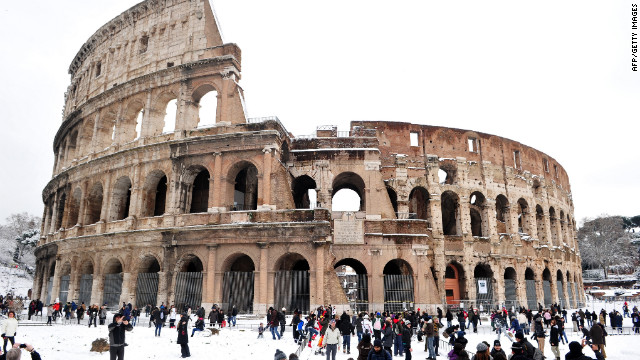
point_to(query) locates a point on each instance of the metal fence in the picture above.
(146, 289)
(356, 290)
(292, 290)
(532, 298)
(237, 289)
(510, 291)
(188, 290)
(86, 283)
(112, 290)
(546, 286)
(561, 296)
(484, 294)
(398, 292)
(64, 288)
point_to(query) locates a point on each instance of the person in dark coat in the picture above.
(497, 349)
(575, 351)
(364, 347)
(449, 317)
(406, 340)
(346, 330)
(183, 336)
(525, 345)
(378, 353)
(598, 334)
(388, 336)
(117, 335)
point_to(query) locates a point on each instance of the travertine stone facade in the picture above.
(442, 207)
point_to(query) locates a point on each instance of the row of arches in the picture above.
(154, 197)
(142, 115)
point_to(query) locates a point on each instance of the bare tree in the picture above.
(603, 241)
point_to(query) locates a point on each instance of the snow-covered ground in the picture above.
(72, 342)
(16, 280)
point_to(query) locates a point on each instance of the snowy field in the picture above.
(72, 342)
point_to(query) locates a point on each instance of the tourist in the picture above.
(261, 331)
(554, 339)
(364, 347)
(16, 352)
(198, 326)
(117, 336)
(598, 334)
(428, 330)
(497, 350)
(575, 351)
(378, 353)
(183, 337)
(332, 340)
(387, 335)
(539, 333)
(274, 323)
(346, 330)
(482, 352)
(9, 328)
(173, 314)
(279, 355)
(407, 333)
(524, 345)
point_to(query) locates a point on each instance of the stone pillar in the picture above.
(210, 293)
(97, 288)
(376, 282)
(498, 288)
(489, 210)
(147, 128)
(521, 286)
(547, 229)
(470, 283)
(265, 188)
(106, 198)
(74, 277)
(163, 291)
(320, 269)
(137, 189)
(55, 289)
(54, 214)
(464, 218)
(539, 291)
(126, 295)
(260, 297)
(83, 203)
(216, 196)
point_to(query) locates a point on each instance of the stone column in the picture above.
(216, 196)
(125, 294)
(539, 291)
(106, 198)
(463, 222)
(470, 283)
(261, 286)
(210, 294)
(83, 203)
(265, 188)
(547, 228)
(163, 291)
(55, 289)
(97, 288)
(54, 214)
(521, 286)
(376, 281)
(320, 269)
(498, 289)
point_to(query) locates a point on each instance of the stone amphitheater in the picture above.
(153, 202)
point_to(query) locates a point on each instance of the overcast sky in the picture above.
(554, 75)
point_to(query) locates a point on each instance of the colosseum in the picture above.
(152, 203)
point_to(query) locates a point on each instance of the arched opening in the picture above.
(523, 221)
(447, 172)
(169, 121)
(345, 201)
(74, 207)
(398, 286)
(65, 277)
(553, 220)
(454, 283)
(450, 205)
(560, 286)
(304, 189)
(530, 281)
(147, 282)
(292, 290)
(353, 278)
(484, 285)
(188, 292)
(478, 214)
(419, 204)
(245, 190)
(121, 199)
(200, 193)
(540, 224)
(572, 291)
(106, 130)
(154, 195)
(86, 282)
(238, 283)
(206, 97)
(510, 290)
(72, 147)
(112, 283)
(60, 214)
(546, 287)
(393, 198)
(562, 238)
(94, 204)
(138, 128)
(502, 214)
(52, 272)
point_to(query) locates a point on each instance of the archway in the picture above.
(511, 299)
(121, 199)
(484, 285)
(546, 287)
(450, 206)
(112, 283)
(393, 198)
(94, 205)
(560, 286)
(540, 224)
(60, 215)
(350, 181)
(292, 290)
(188, 292)
(147, 282)
(304, 188)
(419, 204)
(245, 190)
(530, 281)
(454, 283)
(398, 286)
(65, 277)
(238, 283)
(478, 214)
(52, 272)
(86, 282)
(154, 194)
(523, 210)
(353, 278)
(200, 193)
(74, 207)
(502, 214)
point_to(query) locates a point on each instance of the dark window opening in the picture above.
(98, 68)
(144, 44)
(200, 193)
(245, 195)
(161, 197)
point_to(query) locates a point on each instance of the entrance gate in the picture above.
(532, 298)
(356, 290)
(188, 290)
(398, 292)
(572, 298)
(561, 298)
(146, 289)
(86, 283)
(484, 292)
(112, 290)
(64, 288)
(237, 289)
(292, 290)
(510, 292)
(546, 286)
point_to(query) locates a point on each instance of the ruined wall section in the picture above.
(150, 36)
